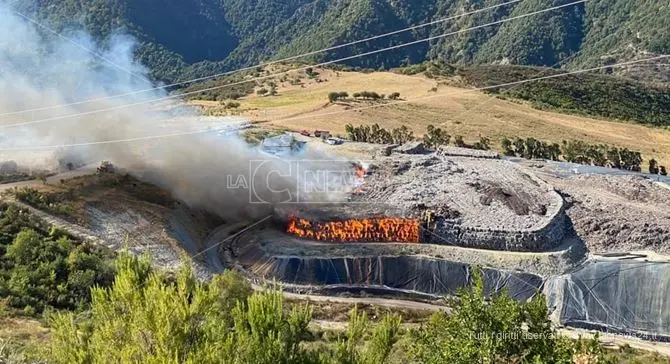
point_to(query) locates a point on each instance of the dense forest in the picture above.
(188, 38)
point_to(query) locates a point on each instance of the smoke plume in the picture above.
(40, 71)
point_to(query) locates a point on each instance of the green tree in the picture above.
(554, 152)
(376, 349)
(596, 155)
(333, 96)
(351, 132)
(379, 135)
(630, 160)
(499, 330)
(435, 137)
(402, 135)
(482, 144)
(146, 316)
(459, 142)
(39, 271)
(520, 148)
(508, 147)
(576, 151)
(614, 158)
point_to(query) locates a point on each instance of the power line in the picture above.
(247, 228)
(79, 45)
(293, 70)
(260, 64)
(552, 67)
(478, 106)
(117, 141)
(482, 88)
(202, 131)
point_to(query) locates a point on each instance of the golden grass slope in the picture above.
(459, 111)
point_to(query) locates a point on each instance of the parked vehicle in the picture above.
(305, 133)
(333, 141)
(322, 133)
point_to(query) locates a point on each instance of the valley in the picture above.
(334, 182)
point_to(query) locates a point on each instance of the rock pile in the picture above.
(490, 203)
(618, 213)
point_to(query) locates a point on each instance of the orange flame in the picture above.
(377, 229)
(360, 171)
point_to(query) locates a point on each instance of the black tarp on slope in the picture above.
(616, 295)
(420, 274)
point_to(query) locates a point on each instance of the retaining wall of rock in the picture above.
(546, 238)
(536, 239)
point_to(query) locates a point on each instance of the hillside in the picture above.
(591, 94)
(189, 38)
(302, 103)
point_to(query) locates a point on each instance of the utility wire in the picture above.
(202, 131)
(480, 88)
(247, 228)
(77, 44)
(255, 66)
(293, 70)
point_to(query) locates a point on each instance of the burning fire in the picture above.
(359, 170)
(377, 229)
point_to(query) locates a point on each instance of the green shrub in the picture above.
(147, 317)
(44, 267)
(58, 203)
(497, 330)
(587, 94)
(379, 135)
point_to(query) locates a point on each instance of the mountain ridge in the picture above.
(194, 38)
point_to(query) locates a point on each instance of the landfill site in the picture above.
(404, 223)
(416, 223)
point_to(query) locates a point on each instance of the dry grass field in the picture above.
(459, 111)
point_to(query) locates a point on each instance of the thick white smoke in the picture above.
(39, 71)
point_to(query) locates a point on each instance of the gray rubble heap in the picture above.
(498, 205)
(618, 213)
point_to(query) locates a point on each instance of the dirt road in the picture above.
(383, 302)
(83, 171)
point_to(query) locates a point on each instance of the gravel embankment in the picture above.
(618, 213)
(486, 193)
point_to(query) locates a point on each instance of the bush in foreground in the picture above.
(43, 267)
(147, 317)
(502, 330)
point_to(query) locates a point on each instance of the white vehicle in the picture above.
(333, 141)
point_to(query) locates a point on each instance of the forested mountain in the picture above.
(185, 38)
